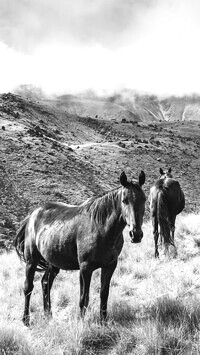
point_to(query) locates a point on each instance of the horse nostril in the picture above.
(131, 234)
(135, 236)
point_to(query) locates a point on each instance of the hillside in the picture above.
(96, 108)
(50, 152)
(132, 107)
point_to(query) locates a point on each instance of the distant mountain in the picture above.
(101, 108)
(126, 105)
(133, 107)
(181, 108)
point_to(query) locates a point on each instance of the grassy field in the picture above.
(154, 305)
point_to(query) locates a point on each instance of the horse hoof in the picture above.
(103, 317)
(48, 315)
(26, 321)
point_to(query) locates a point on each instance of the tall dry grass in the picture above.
(154, 305)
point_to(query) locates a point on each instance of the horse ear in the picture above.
(161, 171)
(123, 179)
(142, 178)
(169, 170)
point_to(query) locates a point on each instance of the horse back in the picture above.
(168, 189)
(174, 195)
(65, 235)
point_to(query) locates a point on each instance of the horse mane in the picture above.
(102, 206)
(99, 207)
(159, 184)
(164, 184)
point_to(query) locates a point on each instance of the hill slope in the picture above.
(49, 154)
(133, 107)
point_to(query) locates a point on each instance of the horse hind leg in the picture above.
(155, 235)
(172, 229)
(172, 220)
(28, 288)
(47, 282)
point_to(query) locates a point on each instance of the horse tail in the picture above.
(19, 239)
(163, 217)
(19, 246)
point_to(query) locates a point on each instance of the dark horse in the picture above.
(86, 237)
(166, 201)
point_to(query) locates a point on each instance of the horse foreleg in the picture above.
(47, 282)
(106, 274)
(85, 279)
(28, 287)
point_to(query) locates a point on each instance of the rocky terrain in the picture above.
(70, 148)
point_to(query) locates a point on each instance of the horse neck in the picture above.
(115, 216)
(114, 223)
(116, 201)
(106, 214)
(105, 207)
(111, 203)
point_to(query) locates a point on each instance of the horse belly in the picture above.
(59, 251)
(98, 252)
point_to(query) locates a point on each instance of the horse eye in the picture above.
(125, 200)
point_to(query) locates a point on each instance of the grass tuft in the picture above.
(13, 342)
(153, 305)
(170, 312)
(98, 338)
(122, 313)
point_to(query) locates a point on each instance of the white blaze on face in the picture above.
(128, 209)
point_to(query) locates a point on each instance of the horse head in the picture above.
(133, 205)
(165, 174)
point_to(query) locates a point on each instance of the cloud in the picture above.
(25, 24)
(67, 45)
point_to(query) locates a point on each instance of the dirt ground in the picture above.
(48, 154)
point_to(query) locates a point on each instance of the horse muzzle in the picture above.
(136, 237)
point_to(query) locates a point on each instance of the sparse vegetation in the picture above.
(153, 304)
(68, 150)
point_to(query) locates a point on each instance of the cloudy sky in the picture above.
(106, 45)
